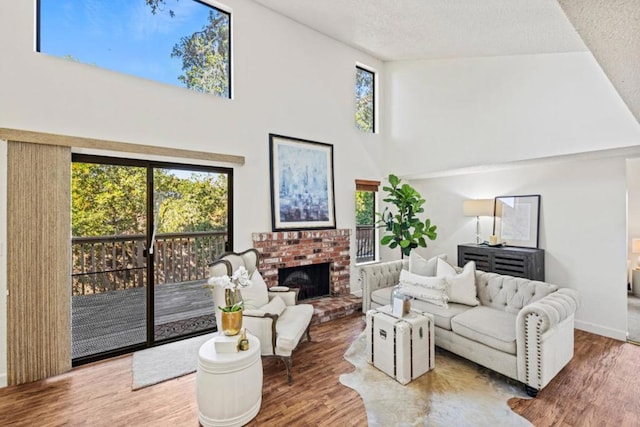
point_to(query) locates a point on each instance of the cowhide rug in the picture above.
(456, 393)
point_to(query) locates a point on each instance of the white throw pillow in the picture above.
(462, 287)
(424, 267)
(256, 295)
(275, 306)
(428, 289)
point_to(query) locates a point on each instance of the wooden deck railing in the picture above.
(365, 243)
(106, 263)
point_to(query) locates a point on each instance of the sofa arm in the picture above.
(550, 310)
(290, 297)
(378, 276)
(263, 326)
(544, 337)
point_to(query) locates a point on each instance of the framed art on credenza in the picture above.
(517, 220)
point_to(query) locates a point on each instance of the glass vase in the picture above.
(400, 303)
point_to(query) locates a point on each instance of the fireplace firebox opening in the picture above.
(312, 280)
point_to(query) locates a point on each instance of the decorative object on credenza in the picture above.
(403, 228)
(302, 194)
(517, 220)
(635, 248)
(478, 208)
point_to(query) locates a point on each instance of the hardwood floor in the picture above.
(599, 387)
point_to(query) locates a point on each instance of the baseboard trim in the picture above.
(616, 334)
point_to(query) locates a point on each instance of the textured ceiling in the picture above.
(611, 30)
(430, 29)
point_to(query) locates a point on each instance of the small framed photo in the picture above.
(302, 192)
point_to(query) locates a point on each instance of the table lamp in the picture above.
(478, 208)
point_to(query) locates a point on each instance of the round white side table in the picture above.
(228, 385)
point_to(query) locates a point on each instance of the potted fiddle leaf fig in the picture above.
(403, 228)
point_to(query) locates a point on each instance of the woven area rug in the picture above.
(456, 393)
(155, 365)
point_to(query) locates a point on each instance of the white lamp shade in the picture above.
(635, 246)
(479, 207)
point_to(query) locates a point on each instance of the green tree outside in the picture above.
(109, 200)
(205, 56)
(364, 100)
(364, 208)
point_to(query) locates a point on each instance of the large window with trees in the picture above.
(365, 99)
(180, 42)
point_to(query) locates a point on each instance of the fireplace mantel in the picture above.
(295, 248)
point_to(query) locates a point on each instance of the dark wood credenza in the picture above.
(518, 262)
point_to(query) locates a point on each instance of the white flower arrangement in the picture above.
(239, 279)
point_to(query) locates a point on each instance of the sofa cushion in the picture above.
(429, 289)
(441, 316)
(291, 326)
(462, 286)
(382, 296)
(489, 326)
(509, 293)
(424, 267)
(256, 295)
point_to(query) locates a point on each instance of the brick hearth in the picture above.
(296, 248)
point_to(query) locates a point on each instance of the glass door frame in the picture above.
(149, 255)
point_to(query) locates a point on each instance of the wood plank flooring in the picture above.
(599, 387)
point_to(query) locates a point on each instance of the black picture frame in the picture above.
(516, 220)
(302, 184)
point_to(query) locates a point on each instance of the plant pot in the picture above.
(231, 322)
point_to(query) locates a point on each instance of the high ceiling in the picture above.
(430, 29)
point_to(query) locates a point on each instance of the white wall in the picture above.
(633, 203)
(288, 80)
(455, 113)
(582, 227)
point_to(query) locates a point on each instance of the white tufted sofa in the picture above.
(522, 328)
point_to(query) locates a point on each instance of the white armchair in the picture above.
(272, 315)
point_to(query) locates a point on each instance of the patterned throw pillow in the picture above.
(428, 289)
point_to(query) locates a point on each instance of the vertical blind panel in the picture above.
(38, 250)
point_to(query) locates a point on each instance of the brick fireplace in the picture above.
(298, 248)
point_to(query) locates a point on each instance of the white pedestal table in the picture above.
(228, 385)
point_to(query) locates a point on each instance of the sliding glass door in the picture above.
(189, 232)
(143, 236)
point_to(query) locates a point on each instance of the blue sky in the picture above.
(121, 35)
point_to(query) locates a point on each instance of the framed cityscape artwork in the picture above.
(302, 194)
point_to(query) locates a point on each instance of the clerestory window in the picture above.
(365, 100)
(185, 43)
